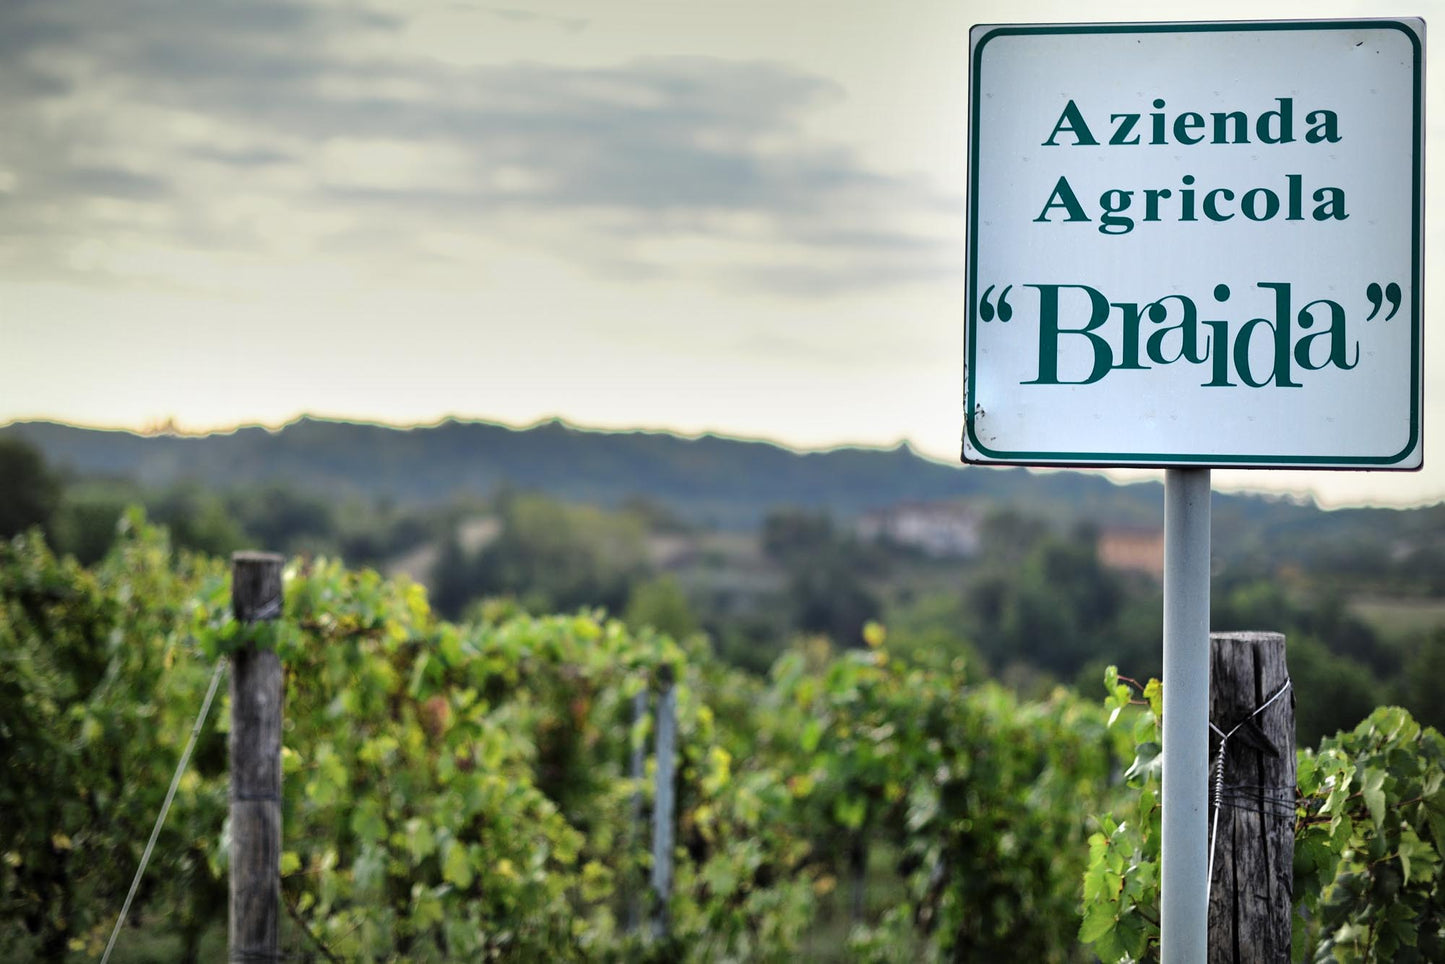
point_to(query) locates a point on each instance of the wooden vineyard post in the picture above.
(255, 750)
(1252, 810)
(637, 770)
(663, 803)
(858, 871)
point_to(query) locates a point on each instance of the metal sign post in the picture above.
(1184, 896)
(1195, 246)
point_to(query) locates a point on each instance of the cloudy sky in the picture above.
(743, 216)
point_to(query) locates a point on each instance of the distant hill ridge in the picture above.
(708, 479)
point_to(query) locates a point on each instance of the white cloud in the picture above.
(188, 107)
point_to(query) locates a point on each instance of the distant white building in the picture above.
(940, 529)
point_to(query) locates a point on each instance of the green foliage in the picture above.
(830, 598)
(1369, 843)
(981, 796)
(550, 555)
(458, 792)
(1423, 674)
(29, 490)
(98, 690)
(826, 572)
(84, 526)
(927, 627)
(463, 791)
(661, 604)
(1121, 885)
(1047, 601)
(197, 519)
(1341, 691)
(1334, 656)
(1036, 605)
(285, 519)
(1369, 848)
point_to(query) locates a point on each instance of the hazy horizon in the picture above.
(742, 219)
(1119, 476)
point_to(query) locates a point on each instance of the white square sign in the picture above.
(1196, 244)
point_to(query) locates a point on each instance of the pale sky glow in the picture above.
(743, 217)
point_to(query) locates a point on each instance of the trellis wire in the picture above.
(165, 808)
(1219, 788)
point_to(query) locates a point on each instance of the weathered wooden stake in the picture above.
(1251, 886)
(858, 870)
(255, 748)
(662, 809)
(638, 765)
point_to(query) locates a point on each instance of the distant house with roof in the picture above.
(938, 529)
(1132, 549)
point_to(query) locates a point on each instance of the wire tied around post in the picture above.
(1226, 795)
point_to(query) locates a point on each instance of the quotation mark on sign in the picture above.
(1005, 310)
(1377, 298)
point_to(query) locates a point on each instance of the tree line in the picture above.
(1034, 607)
